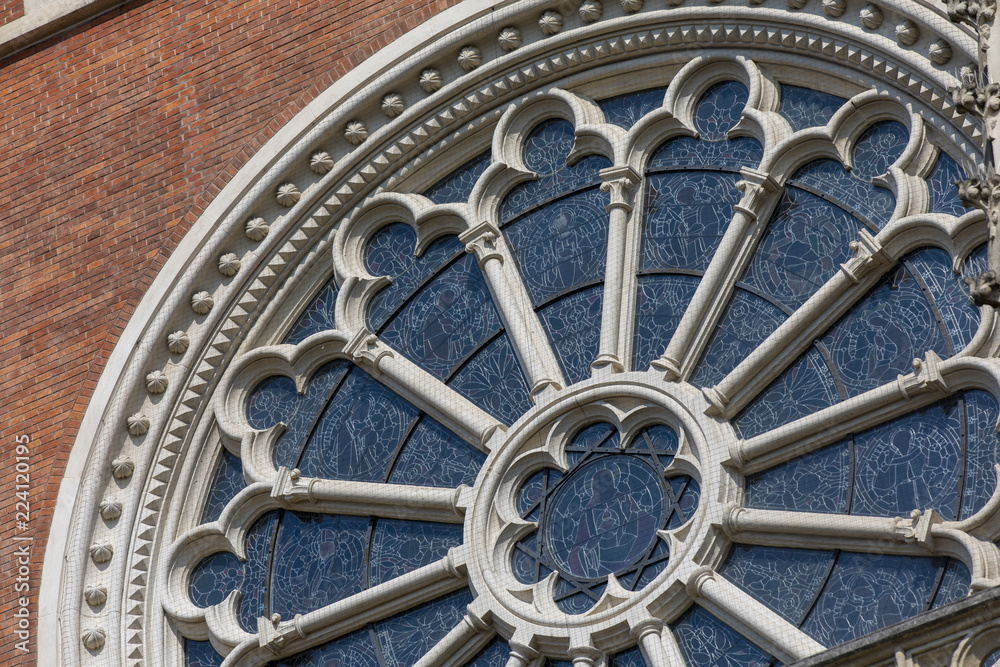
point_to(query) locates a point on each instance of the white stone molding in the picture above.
(461, 644)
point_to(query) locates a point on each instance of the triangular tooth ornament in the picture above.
(155, 504)
(136, 610)
(617, 45)
(773, 37)
(321, 215)
(137, 595)
(258, 289)
(135, 624)
(205, 370)
(136, 654)
(141, 564)
(143, 550)
(407, 142)
(178, 433)
(136, 638)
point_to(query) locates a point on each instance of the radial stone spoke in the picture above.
(708, 305)
(390, 501)
(463, 642)
(511, 298)
(750, 618)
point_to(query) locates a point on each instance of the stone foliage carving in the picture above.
(178, 342)
(430, 82)
(392, 105)
(96, 594)
(591, 11)
(229, 264)
(202, 302)
(355, 133)
(93, 638)
(550, 23)
(138, 424)
(510, 38)
(101, 552)
(111, 509)
(288, 195)
(156, 383)
(321, 162)
(122, 468)
(469, 58)
(257, 229)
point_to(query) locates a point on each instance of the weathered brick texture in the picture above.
(10, 10)
(114, 136)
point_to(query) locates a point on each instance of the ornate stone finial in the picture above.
(550, 23)
(321, 163)
(835, 8)
(257, 229)
(631, 6)
(510, 38)
(972, 98)
(288, 195)
(469, 58)
(393, 104)
(95, 594)
(591, 11)
(977, 13)
(93, 638)
(138, 424)
(122, 468)
(111, 509)
(101, 552)
(871, 16)
(156, 382)
(982, 192)
(430, 80)
(984, 289)
(202, 302)
(178, 342)
(355, 132)
(229, 264)
(907, 32)
(940, 51)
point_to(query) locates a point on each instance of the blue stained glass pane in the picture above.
(626, 110)
(817, 482)
(320, 315)
(630, 658)
(686, 215)
(720, 109)
(407, 272)
(941, 184)
(272, 401)
(688, 152)
(807, 240)
(322, 383)
(405, 638)
(878, 148)
(561, 246)
(457, 186)
(258, 545)
(573, 324)
(434, 456)
(912, 462)
(558, 663)
(228, 481)
(318, 560)
(706, 641)
(954, 584)
(399, 547)
(449, 318)
(548, 146)
(806, 387)
(747, 322)
(786, 580)
(982, 450)
(493, 380)
(354, 650)
(993, 659)
(881, 335)
(495, 654)
(358, 432)
(804, 108)
(976, 262)
(950, 294)
(661, 302)
(584, 173)
(867, 592)
(214, 578)
(200, 654)
(836, 184)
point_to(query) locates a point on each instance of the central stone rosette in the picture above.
(605, 516)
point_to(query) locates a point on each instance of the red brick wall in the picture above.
(114, 137)
(10, 10)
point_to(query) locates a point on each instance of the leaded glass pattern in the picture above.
(200, 654)
(942, 186)
(404, 638)
(457, 186)
(804, 108)
(571, 323)
(355, 649)
(829, 179)
(319, 316)
(878, 148)
(719, 109)
(495, 654)
(786, 580)
(662, 299)
(706, 641)
(227, 482)
(817, 482)
(626, 110)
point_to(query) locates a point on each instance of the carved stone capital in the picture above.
(926, 375)
(273, 634)
(916, 529)
(482, 241)
(620, 182)
(868, 255)
(367, 350)
(756, 187)
(289, 485)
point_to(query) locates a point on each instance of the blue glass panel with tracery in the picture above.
(976, 263)
(829, 179)
(320, 315)
(728, 154)
(561, 246)
(493, 380)
(867, 592)
(804, 108)
(457, 186)
(358, 431)
(449, 317)
(950, 295)
(626, 110)
(354, 650)
(496, 654)
(881, 335)
(434, 456)
(747, 322)
(573, 324)
(318, 559)
(941, 184)
(982, 450)
(817, 482)
(630, 658)
(992, 660)
(200, 654)
(299, 425)
(955, 583)
(686, 215)
(399, 547)
(661, 302)
(215, 578)
(719, 109)
(706, 641)
(406, 637)
(807, 240)
(806, 387)
(273, 400)
(785, 580)
(227, 482)
(878, 148)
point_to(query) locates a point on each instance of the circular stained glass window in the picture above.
(703, 414)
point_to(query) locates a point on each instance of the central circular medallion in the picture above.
(604, 516)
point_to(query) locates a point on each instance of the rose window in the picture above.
(683, 376)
